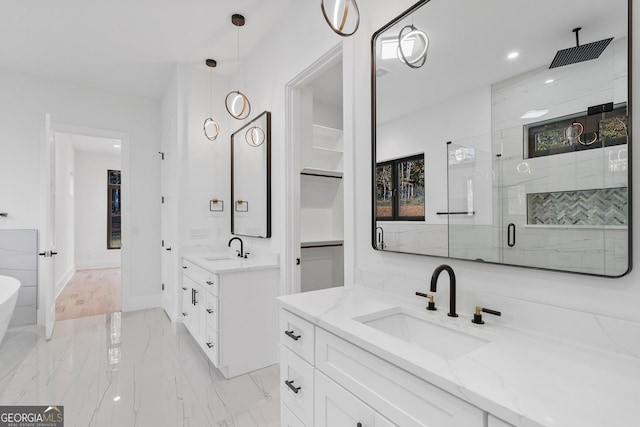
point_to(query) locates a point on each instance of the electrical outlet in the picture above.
(199, 233)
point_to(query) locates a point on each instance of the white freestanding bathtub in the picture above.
(8, 296)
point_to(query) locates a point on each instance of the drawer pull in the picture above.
(292, 387)
(209, 345)
(209, 311)
(184, 289)
(185, 267)
(184, 314)
(209, 282)
(291, 335)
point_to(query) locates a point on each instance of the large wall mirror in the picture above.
(251, 178)
(501, 133)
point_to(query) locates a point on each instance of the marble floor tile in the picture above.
(131, 369)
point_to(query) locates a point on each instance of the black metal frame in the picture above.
(415, 7)
(267, 144)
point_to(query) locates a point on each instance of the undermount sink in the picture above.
(216, 257)
(442, 340)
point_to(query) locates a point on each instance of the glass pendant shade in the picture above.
(413, 45)
(254, 136)
(342, 16)
(238, 105)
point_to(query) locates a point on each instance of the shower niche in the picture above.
(524, 133)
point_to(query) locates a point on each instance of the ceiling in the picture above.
(128, 46)
(90, 144)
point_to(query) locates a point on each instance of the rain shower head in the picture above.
(586, 52)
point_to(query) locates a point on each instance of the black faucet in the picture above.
(452, 287)
(241, 253)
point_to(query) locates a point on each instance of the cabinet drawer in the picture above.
(296, 385)
(211, 312)
(298, 335)
(403, 398)
(287, 419)
(209, 281)
(335, 406)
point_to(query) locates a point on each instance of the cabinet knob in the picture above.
(210, 345)
(292, 387)
(184, 289)
(185, 314)
(184, 266)
(209, 311)
(209, 282)
(291, 335)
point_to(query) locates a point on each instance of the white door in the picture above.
(168, 245)
(47, 241)
(336, 407)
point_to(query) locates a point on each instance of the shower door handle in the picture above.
(511, 235)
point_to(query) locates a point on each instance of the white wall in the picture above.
(25, 100)
(64, 262)
(91, 210)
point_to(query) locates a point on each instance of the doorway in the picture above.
(315, 234)
(88, 232)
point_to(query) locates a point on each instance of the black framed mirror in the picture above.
(251, 178)
(501, 133)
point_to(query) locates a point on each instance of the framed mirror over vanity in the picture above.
(505, 138)
(251, 178)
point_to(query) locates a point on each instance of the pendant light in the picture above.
(342, 19)
(254, 136)
(237, 103)
(211, 127)
(413, 45)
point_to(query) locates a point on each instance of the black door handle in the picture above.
(291, 335)
(292, 387)
(195, 297)
(511, 235)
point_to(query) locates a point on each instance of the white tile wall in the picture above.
(19, 259)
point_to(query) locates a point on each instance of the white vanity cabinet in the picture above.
(232, 315)
(339, 384)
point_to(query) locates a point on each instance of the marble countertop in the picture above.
(524, 378)
(221, 263)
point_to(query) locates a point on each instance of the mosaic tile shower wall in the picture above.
(607, 206)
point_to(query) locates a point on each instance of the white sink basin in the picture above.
(445, 341)
(216, 257)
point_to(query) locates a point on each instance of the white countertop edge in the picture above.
(520, 410)
(230, 265)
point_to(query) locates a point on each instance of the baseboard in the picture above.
(141, 303)
(64, 280)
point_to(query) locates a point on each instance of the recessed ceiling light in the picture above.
(115, 399)
(532, 114)
(549, 81)
(513, 55)
(116, 145)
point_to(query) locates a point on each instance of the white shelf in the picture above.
(327, 132)
(328, 173)
(330, 150)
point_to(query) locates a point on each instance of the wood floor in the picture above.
(90, 292)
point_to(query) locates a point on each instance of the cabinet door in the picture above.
(186, 303)
(336, 407)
